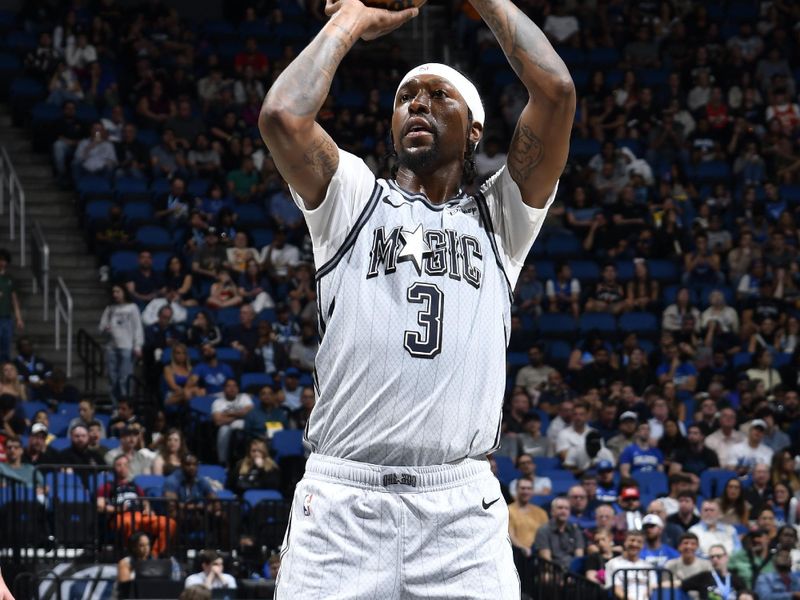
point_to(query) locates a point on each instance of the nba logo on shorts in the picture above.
(307, 505)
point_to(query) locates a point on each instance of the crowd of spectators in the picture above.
(654, 328)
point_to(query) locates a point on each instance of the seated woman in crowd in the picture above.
(140, 549)
(735, 510)
(178, 283)
(10, 383)
(785, 506)
(224, 293)
(176, 377)
(642, 291)
(203, 331)
(678, 312)
(171, 451)
(254, 286)
(256, 471)
(241, 252)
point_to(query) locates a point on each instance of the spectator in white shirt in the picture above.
(560, 27)
(639, 583)
(228, 412)
(751, 452)
(81, 54)
(726, 437)
(212, 576)
(574, 436)
(710, 531)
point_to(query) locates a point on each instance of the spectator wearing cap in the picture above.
(671, 533)
(140, 460)
(630, 517)
(628, 422)
(527, 468)
(38, 452)
(641, 456)
(710, 530)
(745, 455)
(688, 563)
(559, 540)
(726, 437)
(228, 413)
(694, 458)
(606, 489)
(654, 551)
(753, 558)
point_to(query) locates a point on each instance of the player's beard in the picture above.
(422, 159)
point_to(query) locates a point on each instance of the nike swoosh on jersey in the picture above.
(486, 505)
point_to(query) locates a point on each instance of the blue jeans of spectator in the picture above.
(224, 435)
(62, 154)
(119, 362)
(6, 333)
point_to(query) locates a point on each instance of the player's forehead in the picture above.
(429, 81)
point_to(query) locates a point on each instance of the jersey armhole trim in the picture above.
(353, 235)
(483, 211)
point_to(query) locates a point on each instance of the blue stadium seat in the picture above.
(652, 483)
(26, 89)
(215, 472)
(253, 380)
(545, 269)
(68, 409)
(780, 360)
(123, 261)
(546, 463)
(227, 316)
(94, 184)
(642, 323)
(261, 237)
(229, 355)
(585, 271)
(44, 113)
(58, 424)
(790, 193)
(160, 186)
(62, 480)
(506, 471)
(252, 215)
(559, 352)
(603, 57)
(160, 260)
(110, 443)
(712, 171)
(97, 210)
(603, 322)
(20, 42)
(353, 99)
(543, 501)
(288, 442)
(663, 270)
(154, 237)
(583, 149)
(253, 497)
(152, 485)
(194, 355)
(31, 407)
(742, 360)
(138, 213)
(557, 325)
(713, 481)
(197, 187)
(130, 185)
(200, 407)
(59, 444)
(624, 270)
(516, 360)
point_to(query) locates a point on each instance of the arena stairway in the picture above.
(54, 209)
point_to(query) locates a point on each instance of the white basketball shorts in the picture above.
(368, 532)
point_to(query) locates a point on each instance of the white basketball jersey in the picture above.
(414, 307)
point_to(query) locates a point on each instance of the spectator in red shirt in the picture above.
(252, 57)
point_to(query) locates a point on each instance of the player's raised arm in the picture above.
(540, 143)
(305, 155)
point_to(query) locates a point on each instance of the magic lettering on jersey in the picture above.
(436, 252)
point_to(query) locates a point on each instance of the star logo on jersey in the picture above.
(415, 248)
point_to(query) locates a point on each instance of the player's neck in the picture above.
(438, 185)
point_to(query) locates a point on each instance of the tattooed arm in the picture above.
(304, 154)
(540, 143)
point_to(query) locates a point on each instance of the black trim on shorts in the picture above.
(351, 238)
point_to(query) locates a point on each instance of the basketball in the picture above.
(393, 4)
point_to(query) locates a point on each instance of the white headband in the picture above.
(464, 86)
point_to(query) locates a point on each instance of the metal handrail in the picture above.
(40, 266)
(93, 359)
(16, 203)
(63, 311)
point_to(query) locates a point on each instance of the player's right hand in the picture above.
(373, 22)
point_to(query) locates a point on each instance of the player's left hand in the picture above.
(373, 22)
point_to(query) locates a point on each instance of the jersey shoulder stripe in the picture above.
(369, 208)
(483, 211)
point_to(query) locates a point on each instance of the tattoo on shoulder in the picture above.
(526, 152)
(322, 157)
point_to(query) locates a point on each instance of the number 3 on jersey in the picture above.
(428, 343)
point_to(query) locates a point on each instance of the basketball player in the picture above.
(414, 283)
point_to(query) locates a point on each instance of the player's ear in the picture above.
(475, 133)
